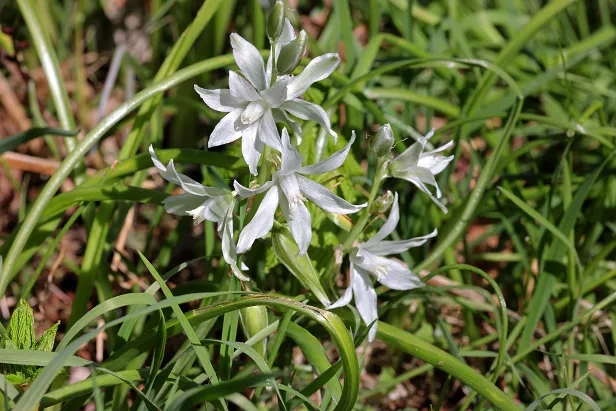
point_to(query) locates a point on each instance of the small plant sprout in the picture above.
(20, 336)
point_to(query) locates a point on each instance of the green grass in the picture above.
(519, 305)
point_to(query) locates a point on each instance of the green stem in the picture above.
(363, 220)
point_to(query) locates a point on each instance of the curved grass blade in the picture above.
(419, 348)
(14, 141)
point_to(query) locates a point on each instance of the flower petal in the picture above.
(299, 221)
(309, 111)
(331, 163)
(410, 156)
(249, 60)
(280, 116)
(261, 223)
(397, 247)
(251, 147)
(241, 89)
(229, 251)
(268, 132)
(318, 69)
(390, 224)
(277, 94)
(413, 179)
(227, 130)
(365, 300)
(325, 199)
(219, 100)
(250, 192)
(181, 204)
(291, 158)
(345, 298)
(390, 273)
(189, 185)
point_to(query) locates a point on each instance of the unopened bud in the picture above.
(383, 203)
(291, 54)
(275, 21)
(383, 141)
(254, 319)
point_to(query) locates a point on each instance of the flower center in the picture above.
(253, 111)
(380, 272)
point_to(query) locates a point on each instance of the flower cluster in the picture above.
(261, 95)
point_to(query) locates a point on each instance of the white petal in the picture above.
(229, 251)
(410, 156)
(241, 89)
(214, 209)
(299, 221)
(291, 158)
(435, 163)
(280, 116)
(251, 147)
(227, 130)
(331, 163)
(318, 69)
(422, 187)
(365, 300)
(181, 204)
(309, 111)
(268, 132)
(277, 94)
(397, 247)
(219, 100)
(390, 273)
(261, 223)
(253, 112)
(170, 174)
(390, 224)
(290, 187)
(348, 293)
(325, 199)
(249, 60)
(250, 192)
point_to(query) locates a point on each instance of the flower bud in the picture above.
(383, 141)
(275, 21)
(291, 54)
(383, 203)
(254, 319)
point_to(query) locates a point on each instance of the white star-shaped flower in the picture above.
(419, 168)
(254, 106)
(203, 203)
(289, 189)
(367, 259)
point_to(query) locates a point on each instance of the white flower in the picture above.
(203, 203)
(288, 188)
(367, 258)
(419, 168)
(254, 107)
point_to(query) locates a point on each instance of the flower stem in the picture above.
(274, 70)
(363, 220)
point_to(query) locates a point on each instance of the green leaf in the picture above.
(46, 341)
(14, 141)
(299, 265)
(21, 326)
